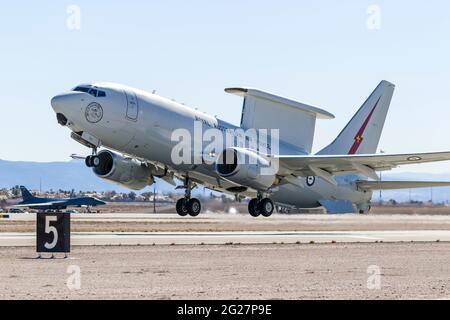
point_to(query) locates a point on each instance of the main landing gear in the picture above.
(260, 206)
(187, 205)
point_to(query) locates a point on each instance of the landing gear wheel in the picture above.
(266, 207)
(92, 161)
(95, 161)
(181, 207)
(194, 207)
(253, 208)
(88, 162)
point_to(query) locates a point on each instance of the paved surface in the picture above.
(220, 222)
(222, 217)
(223, 256)
(165, 238)
(164, 229)
(273, 271)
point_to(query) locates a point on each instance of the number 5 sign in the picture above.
(53, 232)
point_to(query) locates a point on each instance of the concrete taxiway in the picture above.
(214, 238)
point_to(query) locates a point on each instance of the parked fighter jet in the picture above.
(33, 202)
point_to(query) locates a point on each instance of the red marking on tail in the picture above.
(359, 136)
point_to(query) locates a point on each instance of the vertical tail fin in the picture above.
(26, 195)
(362, 134)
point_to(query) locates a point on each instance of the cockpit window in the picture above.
(81, 89)
(91, 91)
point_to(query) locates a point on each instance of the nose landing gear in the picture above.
(92, 160)
(260, 206)
(187, 205)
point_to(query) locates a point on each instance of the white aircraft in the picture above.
(140, 127)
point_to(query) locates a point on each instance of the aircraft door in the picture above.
(132, 106)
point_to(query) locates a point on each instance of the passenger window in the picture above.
(101, 94)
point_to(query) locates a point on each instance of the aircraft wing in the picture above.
(391, 185)
(326, 166)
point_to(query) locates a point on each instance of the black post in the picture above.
(154, 199)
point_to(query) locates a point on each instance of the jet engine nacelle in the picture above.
(127, 172)
(246, 168)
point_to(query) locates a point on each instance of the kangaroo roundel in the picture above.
(94, 112)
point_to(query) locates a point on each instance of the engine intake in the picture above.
(227, 163)
(124, 171)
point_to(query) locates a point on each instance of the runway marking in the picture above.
(254, 237)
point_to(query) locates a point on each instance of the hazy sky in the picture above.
(327, 53)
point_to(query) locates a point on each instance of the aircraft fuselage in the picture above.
(141, 124)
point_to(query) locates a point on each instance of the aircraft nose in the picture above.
(63, 105)
(58, 102)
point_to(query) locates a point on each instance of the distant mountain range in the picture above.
(60, 175)
(74, 175)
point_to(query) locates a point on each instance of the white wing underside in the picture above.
(326, 166)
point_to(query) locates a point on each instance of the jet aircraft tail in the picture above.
(26, 195)
(362, 134)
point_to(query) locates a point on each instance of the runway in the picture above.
(224, 238)
(223, 256)
(168, 229)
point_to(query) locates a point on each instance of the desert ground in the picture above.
(370, 269)
(305, 271)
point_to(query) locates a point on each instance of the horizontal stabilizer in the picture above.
(392, 185)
